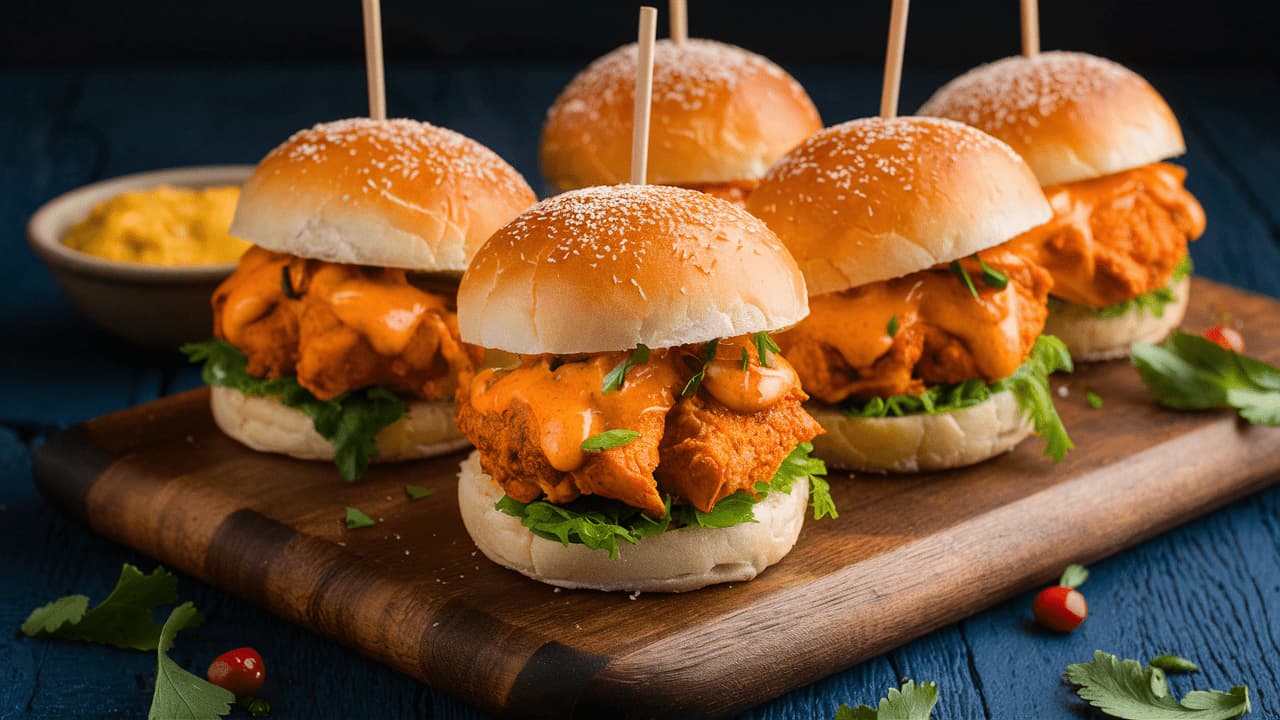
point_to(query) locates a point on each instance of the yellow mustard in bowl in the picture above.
(162, 226)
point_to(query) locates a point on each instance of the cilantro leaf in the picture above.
(1189, 372)
(417, 492)
(1174, 663)
(356, 519)
(613, 381)
(1125, 689)
(124, 619)
(180, 695)
(1074, 576)
(911, 702)
(992, 277)
(1154, 302)
(350, 421)
(602, 524)
(708, 354)
(1029, 384)
(958, 269)
(764, 345)
(609, 439)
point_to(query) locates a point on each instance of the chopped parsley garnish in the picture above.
(764, 345)
(958, 269)
(613, 381)
(910, 702)
(992, 277)
(608, 439)
(417, 492)
(1094, 399)
(356, 518)
(601, 524)
(350, 421)
(1029, 384)
(1188, 372)
(892, 329)
(708, 354)
(1073, 576)
(1154, 302)
(1126, 689)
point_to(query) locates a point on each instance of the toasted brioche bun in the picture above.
(611, 267)
(391, 193)
(1092, 338)
(675, 561)
(267, 425)
(920, 442)
(1072, 116)
(719, 114)
(875, 199)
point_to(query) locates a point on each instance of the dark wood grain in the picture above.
(412, 592)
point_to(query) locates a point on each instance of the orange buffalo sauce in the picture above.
(943, 334)
(340, 327)
(1115, 237)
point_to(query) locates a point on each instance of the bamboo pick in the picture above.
(373, 60)
(893, 59)
(1030, 28)
(679, 21)
(644, 95)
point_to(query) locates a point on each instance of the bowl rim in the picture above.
(47, 225)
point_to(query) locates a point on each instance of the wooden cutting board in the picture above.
(907, 555)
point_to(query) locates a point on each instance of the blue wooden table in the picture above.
(1208, 590)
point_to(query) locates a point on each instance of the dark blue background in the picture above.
(1208, 590)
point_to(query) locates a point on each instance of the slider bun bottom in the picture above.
(675, 561)
(267, 425)
(1091, 338)
(920, 442)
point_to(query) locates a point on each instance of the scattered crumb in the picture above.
(576, 626)
(435, 624)
(1063, 391)
(634, 595)
(406, 552)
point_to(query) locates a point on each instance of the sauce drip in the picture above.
(1115, 237)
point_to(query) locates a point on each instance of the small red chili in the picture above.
(241, 671)
(1059, 608)
(1225, 336)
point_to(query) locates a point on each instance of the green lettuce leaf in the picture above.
(1188, 372)
(601, 523)
(1029, 384)
(1154, 302)
(350, 421)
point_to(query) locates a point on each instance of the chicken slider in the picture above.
(720, 117)
(1095, 134)
(923, 350)
(650, 436)
(335, 337)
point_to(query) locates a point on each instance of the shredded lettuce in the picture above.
(1029, 384)
(350, 421)
(601, 523)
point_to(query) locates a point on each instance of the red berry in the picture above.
(1059, 608)
(1227, 337)
(241, 671)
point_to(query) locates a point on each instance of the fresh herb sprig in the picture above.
(613, 381)
(1188, 372)
(180, 695)
(609, 439)
(913, 701)
(708, 354)
(1125, 689)
(602, 524)
(764, 345)
(124, 619)
(959, 270)
(990, 276)
(350, 421)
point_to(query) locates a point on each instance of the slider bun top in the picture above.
(1072, 116)
(607, 268)
(390, 193)
(875, 199)
(719, 114)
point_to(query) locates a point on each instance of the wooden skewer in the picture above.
(1030, 28)
(893, 59)
(644, 95)
(679, 21)
(373, 60)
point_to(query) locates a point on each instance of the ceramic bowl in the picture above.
(158, 306)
